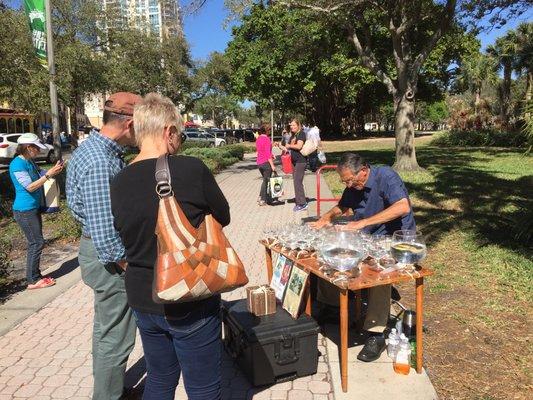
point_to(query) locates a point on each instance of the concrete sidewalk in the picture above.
(48, 355)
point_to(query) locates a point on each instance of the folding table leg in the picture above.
(309, 301)
(419, 322)
(268, 254)
(358, 305)
(343, 300)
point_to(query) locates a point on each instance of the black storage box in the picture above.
(271, 348)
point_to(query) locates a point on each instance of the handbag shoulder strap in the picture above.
(163, 180)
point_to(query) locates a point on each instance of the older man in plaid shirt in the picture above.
(92, 167)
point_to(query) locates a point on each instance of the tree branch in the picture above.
(326, 9)
(369, 60)
(193, 7)
(397, 50)
(430, 45)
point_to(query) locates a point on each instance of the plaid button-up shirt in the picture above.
(90, 171)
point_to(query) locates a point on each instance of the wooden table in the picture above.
(368, 278)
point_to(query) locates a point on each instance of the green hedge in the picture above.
(218, 158)
(7, 194)
(191, 144)
(5, 261)
(476, 138)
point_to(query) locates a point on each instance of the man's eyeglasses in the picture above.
(354, 178)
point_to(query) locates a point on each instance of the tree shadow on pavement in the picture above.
(14, 286)
(7, 290)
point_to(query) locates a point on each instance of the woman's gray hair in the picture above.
(22, 149)
(152, 114)
(353, 162)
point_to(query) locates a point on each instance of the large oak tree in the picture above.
(414, 28)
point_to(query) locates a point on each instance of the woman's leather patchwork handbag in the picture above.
(192, 263)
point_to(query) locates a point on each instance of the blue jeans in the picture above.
(190, 345)
(32, 225)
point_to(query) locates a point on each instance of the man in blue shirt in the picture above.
(92, 167)
(380, 204)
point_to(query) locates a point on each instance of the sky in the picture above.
(205, 32)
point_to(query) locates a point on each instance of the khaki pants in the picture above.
(379, 298)
(114, 326)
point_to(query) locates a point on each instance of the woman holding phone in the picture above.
(28, 180)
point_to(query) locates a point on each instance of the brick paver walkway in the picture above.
(48, 356)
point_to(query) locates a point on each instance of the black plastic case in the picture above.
(272, 348)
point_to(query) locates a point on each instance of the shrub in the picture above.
(238, 150)
(191, 144)
(65, 225)
(5, 262)
(484, 137)
(217, 158)
(7, 194)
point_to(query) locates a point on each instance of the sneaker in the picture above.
(300, 208)
(372, 349)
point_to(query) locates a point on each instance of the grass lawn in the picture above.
(475, 207)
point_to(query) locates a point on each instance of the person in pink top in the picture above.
(265, 161)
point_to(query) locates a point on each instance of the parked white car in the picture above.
(199, 135)
(8, 147)
(218, 141)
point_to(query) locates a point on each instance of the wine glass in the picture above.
(408, 247)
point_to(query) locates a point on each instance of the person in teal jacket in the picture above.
(28, 180)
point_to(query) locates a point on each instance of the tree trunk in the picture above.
(477, 101)
(505, 96)
(405, 134)
(529, 91)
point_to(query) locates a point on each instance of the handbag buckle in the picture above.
(164, 189)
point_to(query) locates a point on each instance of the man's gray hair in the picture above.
(353, 162)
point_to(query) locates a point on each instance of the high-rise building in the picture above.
(162, 17)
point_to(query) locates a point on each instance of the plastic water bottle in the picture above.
(394, 341)
(402, 361)
(399, 327)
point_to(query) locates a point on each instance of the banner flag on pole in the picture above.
(36, 15)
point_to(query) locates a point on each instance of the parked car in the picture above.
(8, 148)
(199, 135)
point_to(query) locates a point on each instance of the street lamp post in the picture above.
(272, 120)
(53, 89)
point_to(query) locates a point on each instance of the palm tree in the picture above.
(524, 56)
(475, 71)
(504, 53)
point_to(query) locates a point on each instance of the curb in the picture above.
(25, 303)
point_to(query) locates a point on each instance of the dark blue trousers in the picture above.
(190, 345)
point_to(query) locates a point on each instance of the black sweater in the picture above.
(134, 203)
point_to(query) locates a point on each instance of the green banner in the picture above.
(36, 14)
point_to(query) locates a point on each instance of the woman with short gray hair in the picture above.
(181, 338)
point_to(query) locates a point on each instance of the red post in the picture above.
(318, 198)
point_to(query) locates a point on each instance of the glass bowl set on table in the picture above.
(408, 247)
(340, 253)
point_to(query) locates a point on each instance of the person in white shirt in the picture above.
(313, 134)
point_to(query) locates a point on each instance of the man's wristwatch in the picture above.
(47, 177)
